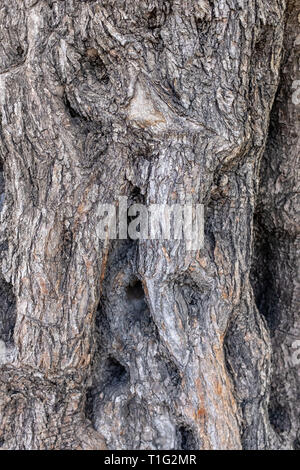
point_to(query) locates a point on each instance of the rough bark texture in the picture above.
(142, 344)
(276, 267)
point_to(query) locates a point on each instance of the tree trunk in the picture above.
(144, 344)
(274, 273)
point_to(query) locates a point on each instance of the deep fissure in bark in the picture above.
(276, 241)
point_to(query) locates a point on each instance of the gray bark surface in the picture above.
(276, 254)
(127, 344)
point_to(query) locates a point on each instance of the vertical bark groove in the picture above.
(275, 277)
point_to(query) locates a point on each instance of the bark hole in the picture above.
(95, 62)
(279, 417)
(263, 41)
(187, 439)
(136, 196)
(73, 113)
(137, 306)
(135, 291)
(115, 374)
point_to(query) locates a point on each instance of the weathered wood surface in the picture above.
(142, 344)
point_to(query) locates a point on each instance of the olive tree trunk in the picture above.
(144, 344)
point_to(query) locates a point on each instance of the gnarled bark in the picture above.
(122, 343)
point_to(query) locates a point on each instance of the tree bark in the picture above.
(275, 278)
(143, 344)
